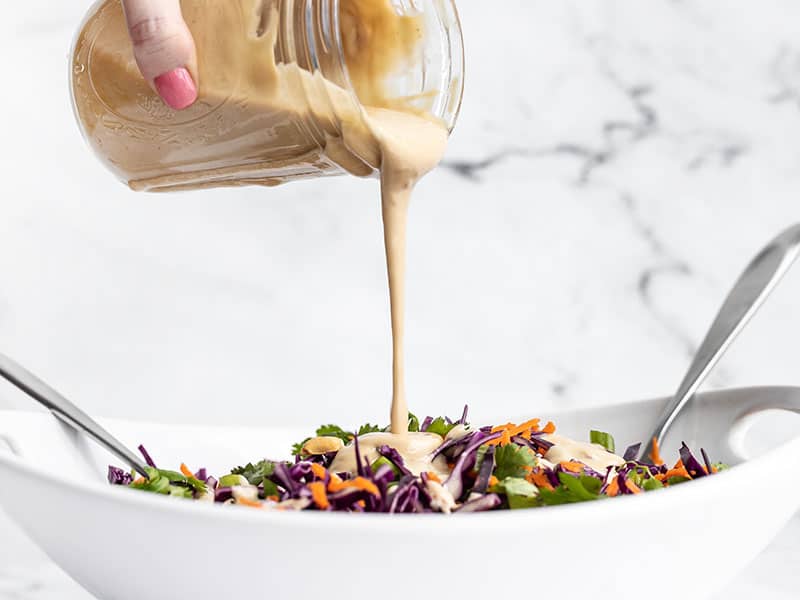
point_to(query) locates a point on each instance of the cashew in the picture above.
(322, 445)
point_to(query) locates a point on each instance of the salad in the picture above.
(441, 465)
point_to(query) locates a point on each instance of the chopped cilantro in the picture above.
(572, 489)
(256, 473)
(334, 431)
(440, 426)
(513, 461)
(519, 492)
(365, 429)
(413, 423)
(297, 449)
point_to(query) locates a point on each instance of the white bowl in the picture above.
(683, 542)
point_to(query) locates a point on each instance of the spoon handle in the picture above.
(751, 290)
(66, 411)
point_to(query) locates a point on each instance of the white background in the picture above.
(616, 165)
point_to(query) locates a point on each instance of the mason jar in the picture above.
(278, 82)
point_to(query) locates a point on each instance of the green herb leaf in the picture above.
(413, 423)
(606, 440)
(440, 426)
(513, 461)
(720, 466)
(572, 489)
(365, 429)
(256, 474)
(334, 431)
(519, 492)
(297, 449)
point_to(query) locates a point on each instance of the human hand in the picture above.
(164, 49)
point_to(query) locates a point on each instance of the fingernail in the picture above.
(177, 88)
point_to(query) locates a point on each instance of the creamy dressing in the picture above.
(415, 448)
(592, 455)
(410, 147)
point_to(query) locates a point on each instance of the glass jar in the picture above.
(279, 82)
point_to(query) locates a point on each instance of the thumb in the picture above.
(164, 49)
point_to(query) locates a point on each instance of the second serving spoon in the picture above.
(747, 296)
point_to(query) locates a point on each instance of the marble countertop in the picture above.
(615, 166)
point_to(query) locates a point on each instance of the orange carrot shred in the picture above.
(318, 470)
(139, 481)
(493, 481)
(433, 477)
(572, 466)
(274, 498)
(318, 495)
(549, 428)
(359, 483)
(632, 487)
(250, 503)
(185, 470)
(532, 425)
(655, 454)
(613, 488)
(540, 480)
(499, 428)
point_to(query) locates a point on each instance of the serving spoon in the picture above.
(67, 412)
(747, 296)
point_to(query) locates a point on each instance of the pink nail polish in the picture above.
(177, 88)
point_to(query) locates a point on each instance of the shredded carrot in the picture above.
(499, 428)
(676, 472)
(185, 470)
(359, 483)
(655, 454)
(318, 495)
(493, 481)
(532, 425)
(139, 481)
(540, 480)
(362, 504)
(433, 477)
(250, 503)
(503, 440)
(613, 488)
(549, 428)
(632, 487)
(335, 484)
(274, 498)
(572, 466)
(319, 471)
